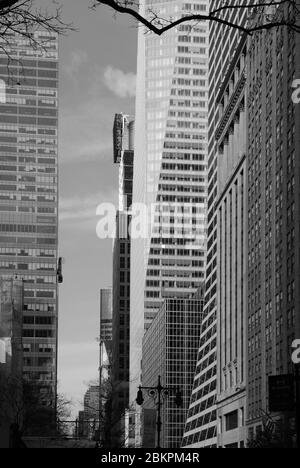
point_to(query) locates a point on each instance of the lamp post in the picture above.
(157, 393)
(100, 412)
(297, 391)
(59, 280)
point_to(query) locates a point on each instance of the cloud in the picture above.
(120, 83)
(77, 60)
(76, 208)
(86, 135)
(80, 210)
(86, 117)
(78, 349)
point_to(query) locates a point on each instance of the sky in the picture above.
(97, 79)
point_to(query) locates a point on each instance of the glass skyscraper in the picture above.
(28, 195)
(226, 116)
(170, 173)
(170, 348)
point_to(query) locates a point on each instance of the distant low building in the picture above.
(129, 429)
(105, 326)
(89, 417)
(11, 356)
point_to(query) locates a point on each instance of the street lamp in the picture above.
(297, 384)
(157, 393)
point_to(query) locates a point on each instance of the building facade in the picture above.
(89, 417)
(124, 157)
(28, 196)
(274, 212)
(11, 318)
(105, 328)
(219, 380)
(231, 207)
(168, 252)
(170, 348)
(11, 353)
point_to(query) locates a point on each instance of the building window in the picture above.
(231, 420)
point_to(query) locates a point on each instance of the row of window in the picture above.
(28, 228)
(38, 333)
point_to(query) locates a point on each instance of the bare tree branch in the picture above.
(159, 25)
(22, 17)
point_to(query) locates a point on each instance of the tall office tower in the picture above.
(28, 196)
(274, 212)
(220, 373)
(170, 171)
(170, 348)
(123, 156)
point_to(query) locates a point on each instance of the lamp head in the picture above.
(140, 398)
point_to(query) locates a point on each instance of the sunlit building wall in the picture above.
(170, 171)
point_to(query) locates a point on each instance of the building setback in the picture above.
(124, 157)
(170, 348)
(168, 249)
(28, 196)
(273, 213)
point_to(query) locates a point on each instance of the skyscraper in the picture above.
(231, 207)
(273, 211)
(124, 157)
(170, 348)
(170, 171)
(253, 267)
(219, 370)
(28, 195)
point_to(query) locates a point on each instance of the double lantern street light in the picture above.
(158, 393)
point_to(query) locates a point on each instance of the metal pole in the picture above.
(100, 385)
(76, 429)
(158, 424)
(297, 381)
(56, 359)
